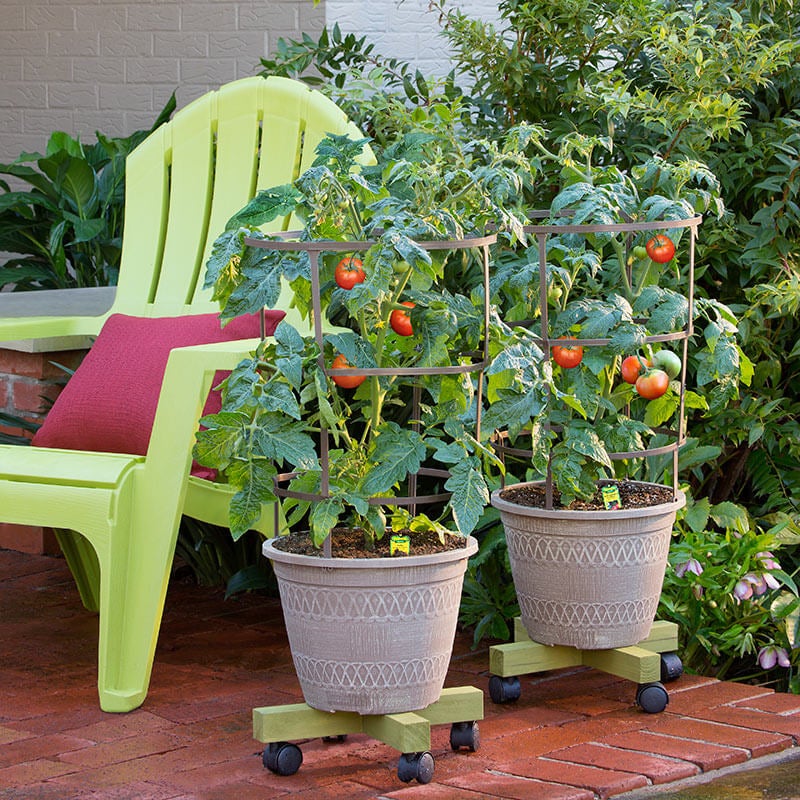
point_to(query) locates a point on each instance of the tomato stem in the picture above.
(618, 249)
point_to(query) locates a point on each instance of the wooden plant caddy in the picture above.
(408, 732)
(650, 663)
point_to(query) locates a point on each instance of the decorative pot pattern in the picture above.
(372, 636)
(588, 579)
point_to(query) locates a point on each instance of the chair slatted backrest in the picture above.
(193, 173)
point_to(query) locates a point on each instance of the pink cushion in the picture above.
(109, 404)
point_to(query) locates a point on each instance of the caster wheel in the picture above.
(416, 766)
(671, 667)
(342, 737)
(652, 698)
(504, 690)
(465, 735)
(282, 758)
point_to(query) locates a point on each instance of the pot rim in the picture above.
(563, 513)
(445, 557)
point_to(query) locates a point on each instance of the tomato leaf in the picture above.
(323, 518)
(256, 479)
(470, 494)
(267, 205)
(220, 438)
(661, 409)
(396, 453)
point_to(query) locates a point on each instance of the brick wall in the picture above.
(27, 382)
(407, 29)
(110, 65)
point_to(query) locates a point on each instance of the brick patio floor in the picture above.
(573, 735)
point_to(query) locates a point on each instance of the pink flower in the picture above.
(768, 560)
(772, 655)
(762, 581)
(744, 588)
(771, 581)
(692, 565)
(754, 584)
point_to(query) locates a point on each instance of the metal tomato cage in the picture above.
(630, 229)
(653, 661)
(461, 707)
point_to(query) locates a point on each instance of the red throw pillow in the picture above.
(109, 404)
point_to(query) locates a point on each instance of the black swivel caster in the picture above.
(504, 690)
(416, 766)
(282, 758)
(671, 667)
(465, 735)
(652, 697)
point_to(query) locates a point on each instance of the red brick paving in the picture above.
(655, 769)
(573, 735)
(705, 756)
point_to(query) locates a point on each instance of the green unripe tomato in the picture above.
(669, 362)
(640, 252)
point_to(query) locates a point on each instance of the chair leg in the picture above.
(83, 564)
(134, 583)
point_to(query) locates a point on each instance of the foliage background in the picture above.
(714, 83)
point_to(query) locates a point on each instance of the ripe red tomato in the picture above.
(632, 366)
(400, 321)
(349, 272)
(660, 248)
(652, 384)
(346, 381)
(567, 357)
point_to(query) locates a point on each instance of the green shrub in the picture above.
(65, 230)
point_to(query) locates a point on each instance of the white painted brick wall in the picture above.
(406, 29)
(110, 65)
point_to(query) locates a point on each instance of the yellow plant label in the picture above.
(399, 545)
(611, 498)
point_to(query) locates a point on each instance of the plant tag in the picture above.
(611, 498)
(399, 545)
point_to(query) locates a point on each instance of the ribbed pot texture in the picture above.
(588, 579)
(372, 636)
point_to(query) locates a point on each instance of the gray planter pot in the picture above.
(372, 636)
(588, 579)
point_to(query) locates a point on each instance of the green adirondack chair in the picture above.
(182, 184)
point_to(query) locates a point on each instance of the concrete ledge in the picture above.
(86, 302)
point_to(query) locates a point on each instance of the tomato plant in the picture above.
(345, 381)
(660, 248)
(413, 406)
(669, 362)
(401, 321)
(632, 367)
(567, 357)
(654, 383)
(349, 271)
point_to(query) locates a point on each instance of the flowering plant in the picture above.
(736, 607)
